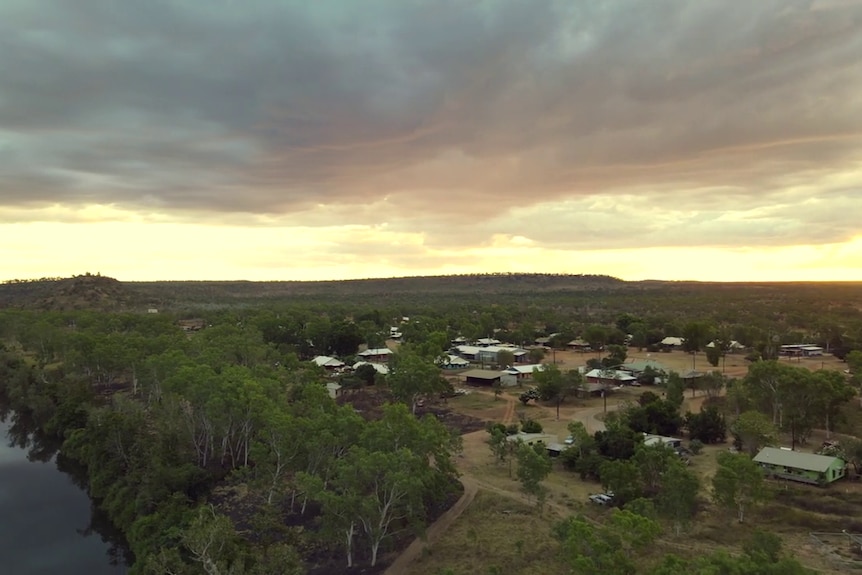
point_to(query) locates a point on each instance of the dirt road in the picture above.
(401, 565)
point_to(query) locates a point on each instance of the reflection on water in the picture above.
(49, 525)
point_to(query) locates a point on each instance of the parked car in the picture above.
(569, 440)
(602, 499)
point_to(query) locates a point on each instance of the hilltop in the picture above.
(86, 291)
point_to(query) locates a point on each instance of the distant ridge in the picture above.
(96, 292)
(104, 293)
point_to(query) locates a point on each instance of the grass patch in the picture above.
(494, 532)
(475, 402)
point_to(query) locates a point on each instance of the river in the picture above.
(48, 525)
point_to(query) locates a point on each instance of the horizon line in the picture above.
(11, 281)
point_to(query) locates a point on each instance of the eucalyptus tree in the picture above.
(413, 377)
(738, 484)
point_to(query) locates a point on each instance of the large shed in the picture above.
(802, 467)
(481, 376)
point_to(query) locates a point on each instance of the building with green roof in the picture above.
(802, 467)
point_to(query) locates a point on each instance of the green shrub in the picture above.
(531, 426)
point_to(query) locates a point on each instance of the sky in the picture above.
(297, 140)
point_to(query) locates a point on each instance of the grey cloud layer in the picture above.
(450, 109)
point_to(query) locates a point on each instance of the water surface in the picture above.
(47, 522)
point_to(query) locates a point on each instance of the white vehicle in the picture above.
(569, 440)
(602, 499)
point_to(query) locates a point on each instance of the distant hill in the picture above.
(474, 284)
(79, 292)
(588, 292)
(104, 293)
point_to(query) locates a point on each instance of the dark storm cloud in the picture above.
(444, 108)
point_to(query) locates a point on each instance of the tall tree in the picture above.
(622, 478)
(386, 488)
(802, 406)
(696, 335)
(596, 336)
(768, 382)
(413, 377)
(554, 385)
(738, 483)
(534, 465)
(675, 388)
(832, 392)
(677, 499)
(754, 430)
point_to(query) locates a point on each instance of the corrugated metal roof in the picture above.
(795, 459)
(378, 367)
(326, 361)
(516, 369)
(374, 352)
(611, 374)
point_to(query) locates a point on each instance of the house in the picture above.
(544, 341)
(579, 345)
(732, 346)
(610, 377)
(802, 467)
(487, 341)
(152, 310)
(454, 362)
(395, 333)
(515, 374)
(328, 362)
(672, 342)
(481, 377)
(689, 377)
(638, 366)
(489, 354)
(650, 440)
(376, 355)
(333, 389)
(801, 349)
(380, 368)
(460, 340)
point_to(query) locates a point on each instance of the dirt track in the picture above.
(401, 565)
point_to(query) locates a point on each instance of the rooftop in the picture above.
(611, 374)
(377, 351)
(326, 361)
(518, 369)
(795, 459)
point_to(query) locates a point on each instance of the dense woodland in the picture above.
(220, 451)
